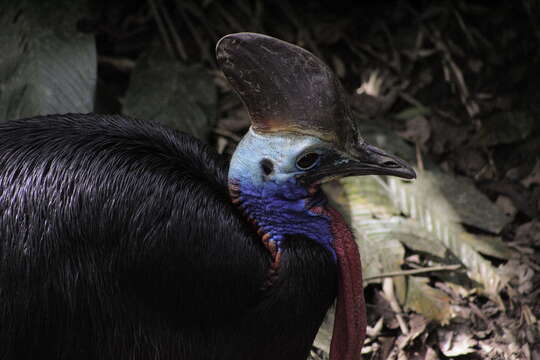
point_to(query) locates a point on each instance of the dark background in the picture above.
(458, 81)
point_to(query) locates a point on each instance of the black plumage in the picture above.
(118, 240)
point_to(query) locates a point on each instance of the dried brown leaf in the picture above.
(417, 130)
(456, 342)
(534, 176)
(417, 325)
(428, 301)
(506, 127)
(529, 233)
(506, 204)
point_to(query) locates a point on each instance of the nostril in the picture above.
(390, 164)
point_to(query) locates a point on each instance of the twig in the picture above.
(411, 100)
(227, 134)
(232, 22)
(464, 28)
(396, 60)
(419, 159)
(388, 288)
(179, 45)
(532, 20)
(200, 15)
(448, 115)
(375, 331)
(450, 67)
(479, 313)
(200, 42)
(415, 271)
(122, 64)
(161, 27)
(367, 49)
(304, 32)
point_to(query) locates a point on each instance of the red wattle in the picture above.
(350, 318)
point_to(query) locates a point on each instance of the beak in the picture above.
(367, 160)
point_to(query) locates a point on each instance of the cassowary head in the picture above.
(302, 135)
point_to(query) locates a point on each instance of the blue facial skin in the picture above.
(277, 201)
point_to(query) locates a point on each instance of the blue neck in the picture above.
(286, 209)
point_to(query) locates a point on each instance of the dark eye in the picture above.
(267, 167)
(307, 161)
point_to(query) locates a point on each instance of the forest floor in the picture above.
(456, 80)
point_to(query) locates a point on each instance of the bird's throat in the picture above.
(279, 210)
(350, 317)
(326, 224)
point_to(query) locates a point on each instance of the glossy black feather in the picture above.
(118, 241)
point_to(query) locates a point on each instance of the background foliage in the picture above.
(450, 260)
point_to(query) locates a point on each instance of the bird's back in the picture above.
(118, 241)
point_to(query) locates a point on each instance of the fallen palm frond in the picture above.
(389, 215)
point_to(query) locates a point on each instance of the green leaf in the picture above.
(165, 90)
(46, 66)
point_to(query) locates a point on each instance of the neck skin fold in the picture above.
(287, 209)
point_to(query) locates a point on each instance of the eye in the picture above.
(307, 161)
(267, 166)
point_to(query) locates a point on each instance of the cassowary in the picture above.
(121, 239)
